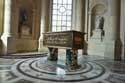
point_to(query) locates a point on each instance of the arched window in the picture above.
(61, 15)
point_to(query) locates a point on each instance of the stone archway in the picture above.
(97, 13)
(96, 43)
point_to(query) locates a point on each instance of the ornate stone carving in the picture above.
(98, 31)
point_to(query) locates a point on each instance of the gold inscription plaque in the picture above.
(66, 39)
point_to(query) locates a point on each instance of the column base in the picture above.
(42, 48)
(4, 43)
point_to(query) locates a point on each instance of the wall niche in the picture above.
(26, 21)
(25, 17)
(25, 25)
(98, 20)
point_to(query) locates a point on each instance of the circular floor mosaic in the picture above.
(43, 69)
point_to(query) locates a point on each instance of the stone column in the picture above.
(7, 25)
(78, 15)
(34, 23)
(38, 19)
(122, 28)
(1, 16)
(115, 19)
(113, 31)
(1, 21)
(89, 24)
(7, 18)
(78, 20)
(44, 22)
(86, 18)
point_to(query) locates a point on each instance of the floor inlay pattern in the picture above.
(41, 70)
(57, 71)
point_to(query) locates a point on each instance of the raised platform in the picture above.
(56, 71)
(40, 70)
(24, 55)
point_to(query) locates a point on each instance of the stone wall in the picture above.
(108, 45)
(21, 26)
(122, 34)
(104, 37)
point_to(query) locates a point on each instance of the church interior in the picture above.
(62, 41)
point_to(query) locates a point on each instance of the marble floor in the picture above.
(40, 70)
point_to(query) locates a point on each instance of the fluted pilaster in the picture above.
(7, 25)
(44, 22)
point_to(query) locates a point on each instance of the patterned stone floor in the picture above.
(40, 70)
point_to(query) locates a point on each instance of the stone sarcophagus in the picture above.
(65, 39)
(70, 40)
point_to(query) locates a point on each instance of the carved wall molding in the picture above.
(99, 9)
